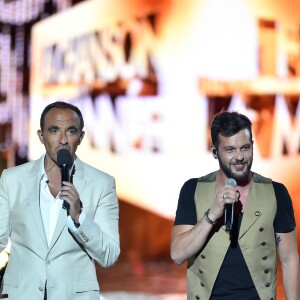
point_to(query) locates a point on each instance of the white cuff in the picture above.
(70, 223)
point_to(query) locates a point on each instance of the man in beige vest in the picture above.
(231, 224)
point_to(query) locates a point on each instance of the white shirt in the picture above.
(51, 206)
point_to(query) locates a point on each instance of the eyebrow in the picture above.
(73, 127)
(57, 127)
(53, 127)
(234, 147)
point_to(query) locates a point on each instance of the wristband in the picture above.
(208, 220)
(77, 224)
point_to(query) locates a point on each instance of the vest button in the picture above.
(265, 258)
(202, 284)
(257, 213)
(197, 297)
(267, 284)
(266, 271)
(203, 256)
(272, 298)
(200, 271)
(261, 229)
(263, 243)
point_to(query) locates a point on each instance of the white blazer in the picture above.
(68, 264)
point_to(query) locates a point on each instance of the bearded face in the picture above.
(235, 155)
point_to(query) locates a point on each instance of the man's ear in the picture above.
(214, 152)
(40, 135)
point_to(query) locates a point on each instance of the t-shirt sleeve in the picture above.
(186, 208)
(285, 219)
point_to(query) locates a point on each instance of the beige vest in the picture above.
(256, 239)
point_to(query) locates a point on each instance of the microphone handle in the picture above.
(229, 214)
(65, 176)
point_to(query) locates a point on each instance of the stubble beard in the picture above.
(239, 177)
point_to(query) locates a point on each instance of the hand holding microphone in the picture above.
(224, 203)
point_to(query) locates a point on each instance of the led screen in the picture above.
(149, 77)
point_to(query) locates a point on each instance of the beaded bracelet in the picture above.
(208, 220)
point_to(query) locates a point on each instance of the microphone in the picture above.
(229, 208)
(64, 161)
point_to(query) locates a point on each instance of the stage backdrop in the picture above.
(149, 76)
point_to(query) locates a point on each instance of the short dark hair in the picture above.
(63, 105)
(228, 124)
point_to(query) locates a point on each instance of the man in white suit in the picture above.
(53, 250)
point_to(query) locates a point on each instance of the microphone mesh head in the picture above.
(64, 157)
(230, 181)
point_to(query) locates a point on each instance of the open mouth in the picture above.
(239, 167)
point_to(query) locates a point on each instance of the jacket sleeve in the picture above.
(99, 232)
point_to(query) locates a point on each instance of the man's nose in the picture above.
(239, 155)
(63, 139)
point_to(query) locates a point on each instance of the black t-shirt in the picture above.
(234, 281)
